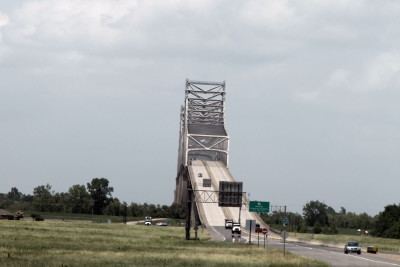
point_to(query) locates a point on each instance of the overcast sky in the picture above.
(93, 89)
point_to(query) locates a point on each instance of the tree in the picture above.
(100, 193)
(60, 202)
(317, 212)
(388, 222)
(42, 198)
(135, 210)
(14, 194)
(113, 208)
(342, 210)
(124, 211)
(79, 199)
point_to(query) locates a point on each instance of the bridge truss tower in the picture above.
(202, 132)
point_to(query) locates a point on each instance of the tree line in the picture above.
(93, 198)
(96, 198)
(318, 217)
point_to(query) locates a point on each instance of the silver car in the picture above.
(352, 247)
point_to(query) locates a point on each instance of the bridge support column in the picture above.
(197, 221)
(188, 213)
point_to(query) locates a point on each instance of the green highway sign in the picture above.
(259, 206)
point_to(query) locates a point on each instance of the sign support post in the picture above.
(250, 232)
(264, 240)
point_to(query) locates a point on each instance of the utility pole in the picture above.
(284, 231)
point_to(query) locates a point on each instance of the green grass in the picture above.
(76, 243)
(384, 244)
(82, 217)
(95, 218)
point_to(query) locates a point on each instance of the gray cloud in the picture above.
(93, 88)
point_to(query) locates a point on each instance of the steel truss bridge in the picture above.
(203, 159)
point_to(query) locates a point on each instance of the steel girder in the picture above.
(202, 129)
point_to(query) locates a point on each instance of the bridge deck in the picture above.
(210, 213)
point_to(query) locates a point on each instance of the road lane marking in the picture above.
(357, 257)
(382, 262)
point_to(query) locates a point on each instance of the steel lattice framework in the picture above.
(202, 131)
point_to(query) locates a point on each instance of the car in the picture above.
(228, 223)
(352, 247)
(236, 228)
(372, 249)
(162, 224)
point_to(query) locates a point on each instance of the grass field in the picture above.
(384, 244)
(74, 243)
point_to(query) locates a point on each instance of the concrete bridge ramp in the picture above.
(210, 213)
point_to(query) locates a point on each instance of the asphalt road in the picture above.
(332, 256)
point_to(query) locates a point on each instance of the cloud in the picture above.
(305, 74)
(270, 14)
(383, 72)
(4, 20)
(67, 22)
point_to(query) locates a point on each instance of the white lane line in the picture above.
(381, 262)
(357, 257)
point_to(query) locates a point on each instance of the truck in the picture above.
(147, 220)
(236, 228)
(228, 223)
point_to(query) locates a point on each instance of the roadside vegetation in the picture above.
(75, 243)
(94, 202)
(319, 218)
(90, 200)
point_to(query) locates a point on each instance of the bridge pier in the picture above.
(188, 213)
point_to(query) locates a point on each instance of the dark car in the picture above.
(372, 249)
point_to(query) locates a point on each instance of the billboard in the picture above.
(230, 194)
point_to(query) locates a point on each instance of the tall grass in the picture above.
(55, 243)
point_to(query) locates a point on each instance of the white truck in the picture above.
(147, 220)
(228, 223)
(236, 229)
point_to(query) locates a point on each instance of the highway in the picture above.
(330, 255)
(335, 256)
(213, 219)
